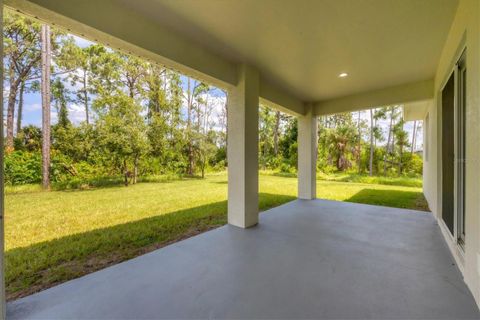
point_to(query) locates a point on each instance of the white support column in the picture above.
(307, 154)
(243, 101)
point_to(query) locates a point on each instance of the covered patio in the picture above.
(309, 258)
(306, 259)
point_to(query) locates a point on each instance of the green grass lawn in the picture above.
(55, 236)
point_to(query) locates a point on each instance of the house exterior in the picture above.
(289, 54)
(463, 38)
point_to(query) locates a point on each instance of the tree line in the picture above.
(361, 144)
(373, 142)
(141, 119)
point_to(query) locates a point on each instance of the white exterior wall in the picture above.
(465, 32)
(430, 158)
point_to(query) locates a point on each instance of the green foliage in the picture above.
(266, 134)
(23, 167)
(29, 139)
(122, 133)
(414, 165)
(60, 98)
(339, 140)
(345, 142)
(288, 143)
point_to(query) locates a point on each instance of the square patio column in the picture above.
(307, 154)
(242, 151)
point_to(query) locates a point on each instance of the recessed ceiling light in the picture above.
(343, 75)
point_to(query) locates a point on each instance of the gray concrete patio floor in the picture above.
(306, 259)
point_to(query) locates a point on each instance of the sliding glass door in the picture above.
(453, 151)
(461, 70)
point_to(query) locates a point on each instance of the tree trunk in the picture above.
(400, 164)
(359, 148)
(11, 115)
(135, 169)
(125, 172)
(414, 135)
(392, 145)
(276, 133)
(189, 129)
(400, 160)
(371, 144)
(85, 96)
(264, 153)
(20, 107)
(387, 147)
(12, 97)
(190, 158)
(45, 89)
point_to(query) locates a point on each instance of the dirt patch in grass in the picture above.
(421, 204)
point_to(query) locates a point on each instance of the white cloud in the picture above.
(54, 116)
(216, 102)
(76, 113)
(82, 42)
(6, 93)
(33, 107)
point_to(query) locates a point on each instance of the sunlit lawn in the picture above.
(59, 235)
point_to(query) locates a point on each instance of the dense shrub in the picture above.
(23, 167)
(285, 167)
(416, 165)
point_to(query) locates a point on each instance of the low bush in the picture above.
(23, 167)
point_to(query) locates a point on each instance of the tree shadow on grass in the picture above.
(391, 198)
(45, 264)
(284, 174)
(219, 182)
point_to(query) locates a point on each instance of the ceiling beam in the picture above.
(410, 92)
(275, 97)
(416, 110)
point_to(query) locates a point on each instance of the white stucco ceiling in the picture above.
(304, 44)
